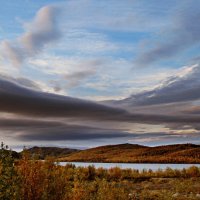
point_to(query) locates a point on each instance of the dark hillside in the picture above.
(43, 152)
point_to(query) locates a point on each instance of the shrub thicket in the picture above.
(28, 179)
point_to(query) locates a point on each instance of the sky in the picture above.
(84, 73)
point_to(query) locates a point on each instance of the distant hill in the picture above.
(127, 153)
(44, 152)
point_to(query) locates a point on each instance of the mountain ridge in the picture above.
(134, 153)
(122, 153)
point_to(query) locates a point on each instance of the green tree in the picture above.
(8, 175)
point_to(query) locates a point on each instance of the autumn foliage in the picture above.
(131, 153)
(30, 179)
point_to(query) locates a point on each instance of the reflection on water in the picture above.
(138, 166)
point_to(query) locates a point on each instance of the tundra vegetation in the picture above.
(133, 153)
(32, 179)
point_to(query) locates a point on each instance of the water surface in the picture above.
(138, 166)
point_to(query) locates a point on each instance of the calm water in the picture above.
(139, 166)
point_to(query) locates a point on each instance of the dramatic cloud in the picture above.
(183, 34)
(74, 133)
(19, 100)
(41, 31)
(182, 87)
(47, 130)
(27, 130)
(24, 82)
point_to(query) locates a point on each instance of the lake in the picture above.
(138, 166)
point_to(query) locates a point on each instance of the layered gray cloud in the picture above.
(74, 133)
(23, 129)
(41, 31)
(49, 117)
(48, 130)
(183, 87)
(24, 82)
(23, 101)
(184, 33)
(69, 133)
(195, 110)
